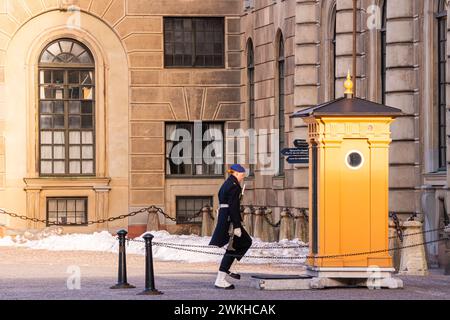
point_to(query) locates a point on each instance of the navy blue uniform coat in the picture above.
(229, 193)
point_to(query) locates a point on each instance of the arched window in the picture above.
(66, 110)
(383, 50)
(442, 101)
(281, 105)
(251, 103)
(333, 53)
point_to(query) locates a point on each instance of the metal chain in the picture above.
(299, 257)
(398, 229)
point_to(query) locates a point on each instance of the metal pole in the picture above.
(149, 273)
(354, 47)
(122, 274)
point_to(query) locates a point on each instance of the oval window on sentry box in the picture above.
(354, 160)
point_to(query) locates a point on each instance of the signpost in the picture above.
(299, 154)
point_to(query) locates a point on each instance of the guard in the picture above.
(229, 229)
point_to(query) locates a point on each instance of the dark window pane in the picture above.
(58, 107)
(58, 122)
(86, 107)
(74, 122)
(58, 77)
(46, 107)
(74, 77)
(86, 122)
(46, 122)
(74, 107)
(74, 93)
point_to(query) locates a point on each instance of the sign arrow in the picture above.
(294, 152)
(298, 160)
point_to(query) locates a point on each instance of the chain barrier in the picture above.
(398, 229)
(181, 248)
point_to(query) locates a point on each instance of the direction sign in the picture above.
(298, 160)
(294, 152)
(301, 143)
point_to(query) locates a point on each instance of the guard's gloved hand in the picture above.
(238, 232)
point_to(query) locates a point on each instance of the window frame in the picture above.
(441, 104)
(86, 213)
(192, 175)
(193, 222)
(65, 69)
(281, 78)
(194, 43)
(251, 98)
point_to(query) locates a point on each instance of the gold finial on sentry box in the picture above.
(348, 85)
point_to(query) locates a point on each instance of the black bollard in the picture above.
(122, 277)
(149, 275)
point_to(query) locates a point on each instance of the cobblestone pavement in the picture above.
(39, 274)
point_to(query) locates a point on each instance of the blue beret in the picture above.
(237, 168)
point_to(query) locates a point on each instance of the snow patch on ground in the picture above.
(106, 242)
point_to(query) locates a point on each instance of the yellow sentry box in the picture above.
(349, 182)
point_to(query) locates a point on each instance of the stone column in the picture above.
(413, 260)
(153, 223)
(207, 221)
(258, 228)
(394, 242)
(248, 220)
(268, 231)
(301, 227)
(102, 206)
(447, 250)
(286, 226)
(33, 207)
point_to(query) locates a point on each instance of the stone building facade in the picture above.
(262, 61)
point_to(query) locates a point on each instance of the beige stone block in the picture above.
(179, 7)
(344, 4)
(233, 25)
(82, 4)
(401, 79)
(147, 197)
(152, 42)
(131, 25)
(234, 59)
(403, 176)
(147, 129)
(147, 146)
(266, 71)
(147, 163)
(115, 12)
(17, 11)
(400, 9)
(2, 163)
(344, 44)
(400, 31)
(306, 75)
(264, 35)
(309, 54)
(51, 3)
(413, 260)
(402, 201)
(146, 60)
(306, 34)
(404, 128)
(152, 112)
(264, 89)
(98, 7)
(8, 25)
(400, 55)
(233, 42)
(229, 112)
(403, 101)
(147, 180)
(174, 96)
(194, 98)
(403, 152)
(145, 77)
(216, 96)
(306, 95)
(264, 53)
(306, 12)
(263, 17)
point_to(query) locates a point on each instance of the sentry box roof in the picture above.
(350, 107)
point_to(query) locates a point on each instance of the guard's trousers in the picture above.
(241, 244)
